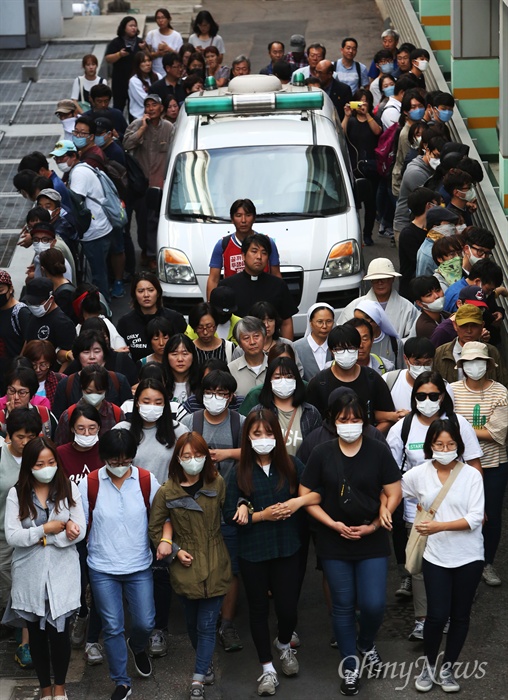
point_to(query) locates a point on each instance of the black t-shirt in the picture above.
(161, 88)
(13, 323)
(115, 115)
(194, 488)
(55, 327)
(361, 144)
(265, 287)
(132, 327)
(410, 240)
(369, 386)
(368, 471)
(124, 67)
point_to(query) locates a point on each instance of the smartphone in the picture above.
(355, 105)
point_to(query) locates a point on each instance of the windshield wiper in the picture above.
(203, 217)
(289, 214)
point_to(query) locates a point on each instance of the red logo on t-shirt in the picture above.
(233, 259)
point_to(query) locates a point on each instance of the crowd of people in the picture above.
(158, 454)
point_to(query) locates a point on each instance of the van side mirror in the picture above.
(154, 198)
(362, 187)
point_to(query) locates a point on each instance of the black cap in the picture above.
(103, 124)
(223, 299)
(438, 214)
(38, 291)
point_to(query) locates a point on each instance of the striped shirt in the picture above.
(485, 409)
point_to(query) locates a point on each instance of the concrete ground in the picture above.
(246, 27)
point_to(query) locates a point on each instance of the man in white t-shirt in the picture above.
(82, 180)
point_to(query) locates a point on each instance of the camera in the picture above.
(355, 105)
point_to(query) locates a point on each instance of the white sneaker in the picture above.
(290, 665)
(93, 654)
(448, 682)
(490, 576)
(295, 641)
(268, 683)
(417, 634)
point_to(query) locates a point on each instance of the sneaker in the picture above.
(350, 683)
(446, 627)
(118, 291)
(230, 639)
(141, 661)
(290, 665)
(93, 654)
(210, 676)
(372, 662)
(425, 680)
(405, 590)
(417, 634)
(333, 643)
(490, 576)
(448, 682)
(386, 233)
(121, 692)
(268, 682)
(23, 656)
(295, 641)
(367, 241)
(197, 691)
(157, 644)
(78, 634)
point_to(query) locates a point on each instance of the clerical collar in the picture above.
(254, 279)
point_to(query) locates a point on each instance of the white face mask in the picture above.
(39, 310)
(283, 387)
(215, 405)
(445, 229)
(475, 369)
(349, 432)
(64, 167)
(468, 196)
(444, 457)
(94, 399)
(434, 162)
(472, 258)
(193, 466)
(118, 471)
(416, 370)
(346, 358)
(436, 305)
(41, 247)
(263, 446)
(150, 413)
(44, 475)
(428, 408)
(422, 65)
(68, 124)
(86, 440)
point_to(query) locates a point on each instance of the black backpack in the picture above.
(80, 214)
(138, 182)
(198, 422)
(406, 427)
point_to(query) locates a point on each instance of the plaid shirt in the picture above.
(264, 540)
(301, 63)
(50, 385)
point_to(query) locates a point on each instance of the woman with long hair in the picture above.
(44, 520)
(120, 53)
(80, 93)
(262, 499)
(185, 524)
(206, 33)
(162, 40)
(140, 83)
(181, 367)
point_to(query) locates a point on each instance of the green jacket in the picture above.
(191, 333)
(196, 529)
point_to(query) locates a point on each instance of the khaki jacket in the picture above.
(196, 529)
(444, 363)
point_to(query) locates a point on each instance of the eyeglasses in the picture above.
(80, 133)
(482, 253)
(89, 430)
(208, 327)
(422, 395)
(217, 394)
(20, 392)
(319, 322)
(40, 365)
(445, 447)
(42, 240)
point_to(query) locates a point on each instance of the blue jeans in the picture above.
(494, 484)
(356, 583)
(109, 590)
(96, 253)
(201, 616)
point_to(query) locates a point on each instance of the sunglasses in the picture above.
(422, 395)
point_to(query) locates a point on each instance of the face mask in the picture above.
(475, 369)
(94, 399)
(416, 370)
(79, 141)
(422, 65)
(68, 124)
(434, 162)
(468, 196)
(349, 432)
(44, 475)
(472, 258)
(444, 457)
(436, 305)
(150, 413)
(39, 310)
(444, 114)
(3, 300)
(283, 387)
(388, 91)
(118, 471)
(415, 114)
(386, 67)
(41, 247)
(100, 140)
(451, 270)
(445, 229)
(215, 404)
(345, 359)
(86, 440)
(193, 466)
(263, 446)
(416, 143)
(64, 167)
(428, 408)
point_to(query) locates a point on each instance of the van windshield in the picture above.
(282, 181)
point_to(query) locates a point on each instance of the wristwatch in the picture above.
(245, 502)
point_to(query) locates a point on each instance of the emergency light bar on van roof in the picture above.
(257, 102)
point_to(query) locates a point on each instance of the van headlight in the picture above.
(175, 267)
(343, 259)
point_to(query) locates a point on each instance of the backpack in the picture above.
(138, 182)
(93, 490)
(198, 422)
(391, 377)
(80, 215)
(406, 427)
(72, 377)
(111, 204)
(117, 412)
(386, 150)
(225, 242)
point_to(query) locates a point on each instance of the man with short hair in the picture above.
(240, 66)
(419, 63)
(28, 184)
(249, 370)
(253, 284)
(428, 297)
(418, 355)
(384, 65)
(367, 358)
(441, 223)
(104, 133)
(171, 84)
(66, 111)
(485, 273)
(83, 137)
(100, 97)
(297, 55)
(283, 71)
(389, 39)
(276, 52)
(404, 57)
(391, 111)
(480, 243)
(459, 185)
(38, 162)
(44, 238)
(339, 93)
(315, 54)
(349, 71)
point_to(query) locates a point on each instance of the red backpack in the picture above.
(93, 490)
(117, 412)
(386, 149)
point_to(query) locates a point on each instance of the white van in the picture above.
(283, 148)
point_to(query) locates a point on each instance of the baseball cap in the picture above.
(474, 295)
(103, 124)
(65, 107)
(381, 268)
(297, 41)
(62, 147)
(438, 214)
(50, 194)
(38, 290)
(5, 278)
(468, 313)
(155, 98)
(223, 299)
(475, 350)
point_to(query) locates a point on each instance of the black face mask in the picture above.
(4, 298)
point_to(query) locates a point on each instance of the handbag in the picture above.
(416, 543)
